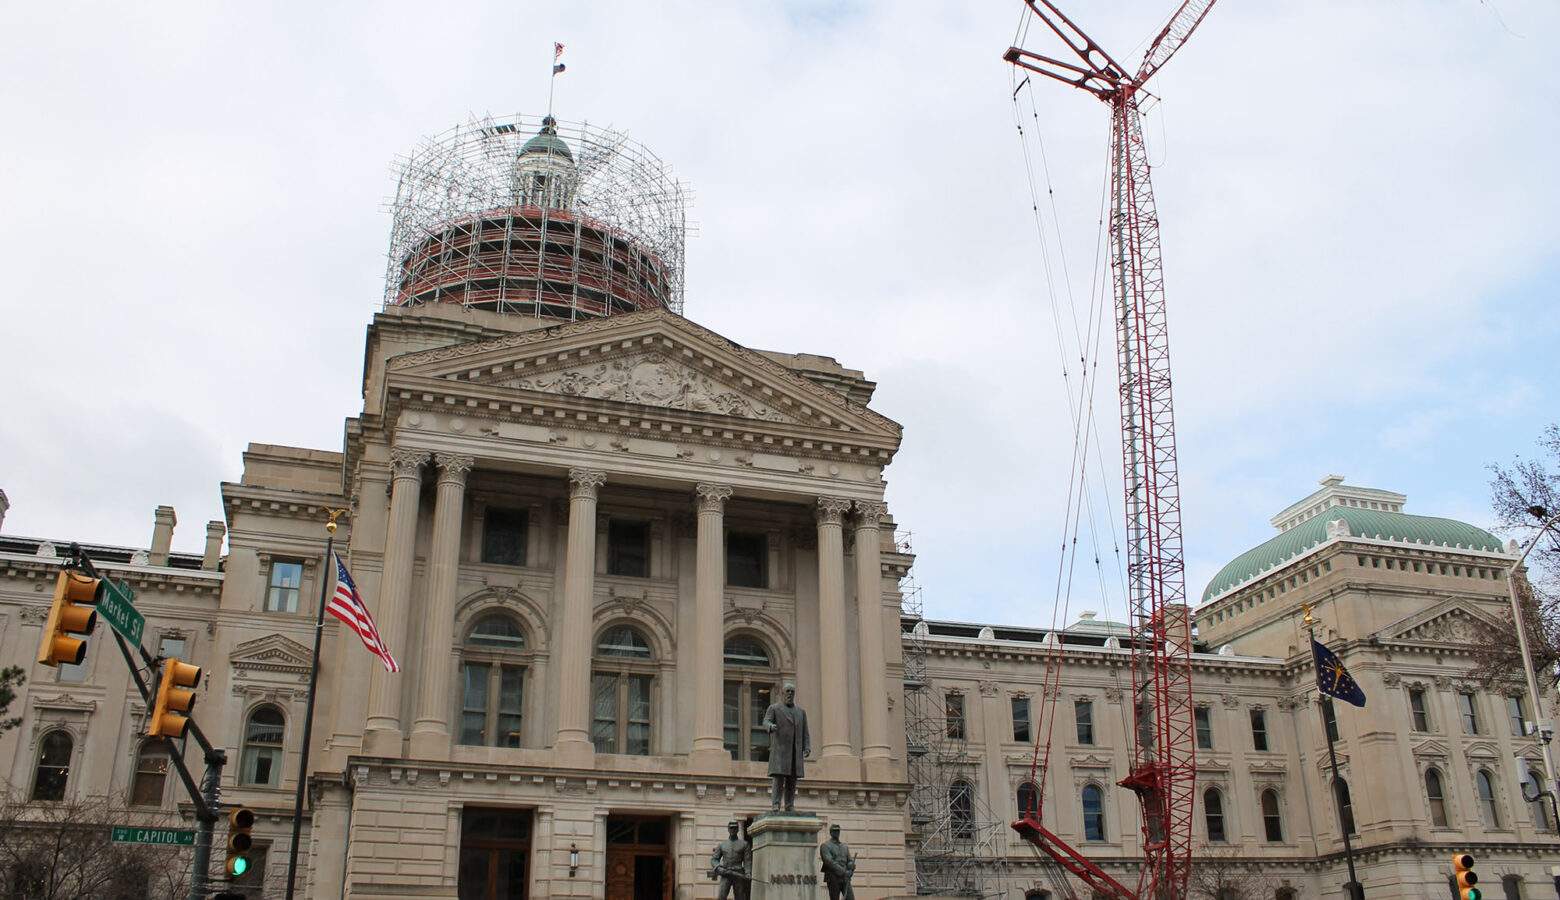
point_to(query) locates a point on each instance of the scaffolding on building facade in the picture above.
(534, 216)
(959, 844)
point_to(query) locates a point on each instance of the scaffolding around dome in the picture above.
(529, 215)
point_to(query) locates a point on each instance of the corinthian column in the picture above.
(431, 732)
(382, 734)
(831, 634)
(709, 747)
(869, 638)
(573, 747)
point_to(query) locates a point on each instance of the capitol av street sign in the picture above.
(174, 837)
(115, 607)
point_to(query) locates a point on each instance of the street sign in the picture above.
(174, 837)
(115, 607)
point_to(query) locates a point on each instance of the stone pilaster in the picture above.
(431, 731)
(383, 732)
(876, 761)
(709, 751)
(831, 637)
(573, 747)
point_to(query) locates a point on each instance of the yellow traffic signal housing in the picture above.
(1462, 866)
(175, 697)
(241, 822)
(73, 593)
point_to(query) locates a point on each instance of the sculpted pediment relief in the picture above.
(1431, 748)
(650, 380)
(1092, 761)
(1481, 750)
(1448, 622)
(653, 359)
(272, 653)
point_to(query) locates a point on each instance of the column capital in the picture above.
(831, 510)
(584, 483)
(711, 497)
(869, 513)
(453, 467)
(406, 462)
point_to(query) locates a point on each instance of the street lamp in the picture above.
(1538, 512)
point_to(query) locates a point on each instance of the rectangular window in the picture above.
(1470, 715)
(1518, 720)
(71, 673)
(285, 585)
(504, 534)
(1259, 732)
(1203, 718)
(1083, 714)
(151, 773)
(172, 648)
(1418, 711)
(628, 549)
(490, 710)
(747, 559)
(954, 711)
(743, 709)
(620, 713)
(473, 713)
(1021, 719)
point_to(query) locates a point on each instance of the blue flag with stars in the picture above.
(1333, 679)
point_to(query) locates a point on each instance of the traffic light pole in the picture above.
(207, 796)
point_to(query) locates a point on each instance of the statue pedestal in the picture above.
(785, 857)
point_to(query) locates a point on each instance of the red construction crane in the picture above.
(1164, 750)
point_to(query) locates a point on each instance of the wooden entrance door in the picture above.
(639, 859)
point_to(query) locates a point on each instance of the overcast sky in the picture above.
(1358, 205)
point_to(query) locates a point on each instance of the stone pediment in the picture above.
(1451, 621)
(1432, 748)
(652, 359)
(273, 653)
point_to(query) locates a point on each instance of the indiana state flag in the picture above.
(1333, 679)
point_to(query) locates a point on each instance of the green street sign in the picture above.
(115, 607)
(173, 837)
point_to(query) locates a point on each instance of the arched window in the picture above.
(620, 692)
(961, 810)
(53, 766)
(151, 774)
(749, 689)
(262, 758)
(1213, 815)
(1487, 808)
(1028, 801)
(1272, 817)
(1093, 813)
(1539, 808)
(493, 664)
(1345, 805)
(1436, 792)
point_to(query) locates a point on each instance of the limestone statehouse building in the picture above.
(599, 537)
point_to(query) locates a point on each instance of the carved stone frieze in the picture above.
(1230, 701)
(650, 380)
(871, 512)
(585, 483)
(831, 510)
(989, 688)
(453, 467)
(406, 462)
(711, 498)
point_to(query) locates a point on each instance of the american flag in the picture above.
(557, 50)
(347, 605)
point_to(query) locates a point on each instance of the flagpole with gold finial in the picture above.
(1357, 890)
(326, 573)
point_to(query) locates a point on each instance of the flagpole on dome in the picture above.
(1333, 680)
(326, 572)
(553, 79)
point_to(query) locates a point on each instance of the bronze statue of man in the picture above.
(730, 865)
(838, 866)
(789, 745)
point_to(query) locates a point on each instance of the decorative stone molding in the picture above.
(871, 512)
(453, 467)
(1230, 701)
(831, 510)
(989, 688)
(34, 615)
(273, 653)
(406, 462)
(711, 498)
(1391, 679)
(650, 380)
(585, 483)
(1113, 695)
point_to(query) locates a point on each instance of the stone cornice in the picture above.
(278, 502)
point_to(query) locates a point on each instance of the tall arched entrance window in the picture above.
(749, 689)
(493, 666)
(623, 673)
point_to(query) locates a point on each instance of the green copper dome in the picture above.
(547, 142)
(1363, 523)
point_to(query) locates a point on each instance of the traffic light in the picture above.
(1462, 865)
(175, 696)
(241, 822)
(69, 615)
